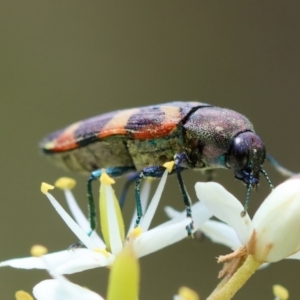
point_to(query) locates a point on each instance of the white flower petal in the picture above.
(171, 212)
(63, 262)
(83, 237)
(277, 223)
(221, 233)
(24, 263)
(116, 243)
(53, 259)
(53, 289)
(295, 256)
(217, 231)
(278, 199)
(86, 261)
(156, 239)
(148, 216)
(170, 232)
(81, 219)
(76, 211)
(225, 207)
(200, 215)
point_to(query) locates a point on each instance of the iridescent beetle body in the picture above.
(135, 140)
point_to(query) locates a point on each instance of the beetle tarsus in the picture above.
(189, 229)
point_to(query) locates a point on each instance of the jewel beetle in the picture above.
(196, 135)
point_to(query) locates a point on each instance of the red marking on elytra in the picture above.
(67, 139)
(117, 124)
(172, 116)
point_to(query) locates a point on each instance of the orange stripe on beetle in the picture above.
(172, 116)
(118, 123)
(65, 141)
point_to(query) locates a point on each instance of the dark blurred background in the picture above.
(62, 61)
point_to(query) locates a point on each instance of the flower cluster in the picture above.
(118, 251)
(272, 235)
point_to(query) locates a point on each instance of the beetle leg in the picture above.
(130, 180)
(113, 172)
(154, 172)
(179, 158)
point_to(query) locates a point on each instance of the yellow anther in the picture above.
(105, 179)
(22, 295)
(102, 251)
(135, 233)
(38, 250)
(188, 294)
(169, 165)
(280, 292)
(45, 187)
(65, 183)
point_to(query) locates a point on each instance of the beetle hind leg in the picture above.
(181, 162)
(182, 158)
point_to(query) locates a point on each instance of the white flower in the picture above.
(99, 253)
(62, 289)
(272, 235)
(58, 288)
(123, 281)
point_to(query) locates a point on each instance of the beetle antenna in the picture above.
(282, 170)
(243, 213)
(267, 177)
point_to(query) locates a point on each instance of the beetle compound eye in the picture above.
(238, 154)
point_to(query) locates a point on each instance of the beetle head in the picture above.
(246, 156)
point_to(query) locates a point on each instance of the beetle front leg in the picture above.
(182, 158)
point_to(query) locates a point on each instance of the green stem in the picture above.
(228, 290)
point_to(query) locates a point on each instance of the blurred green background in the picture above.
(62, 61)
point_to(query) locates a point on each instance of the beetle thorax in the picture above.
(209, 133)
